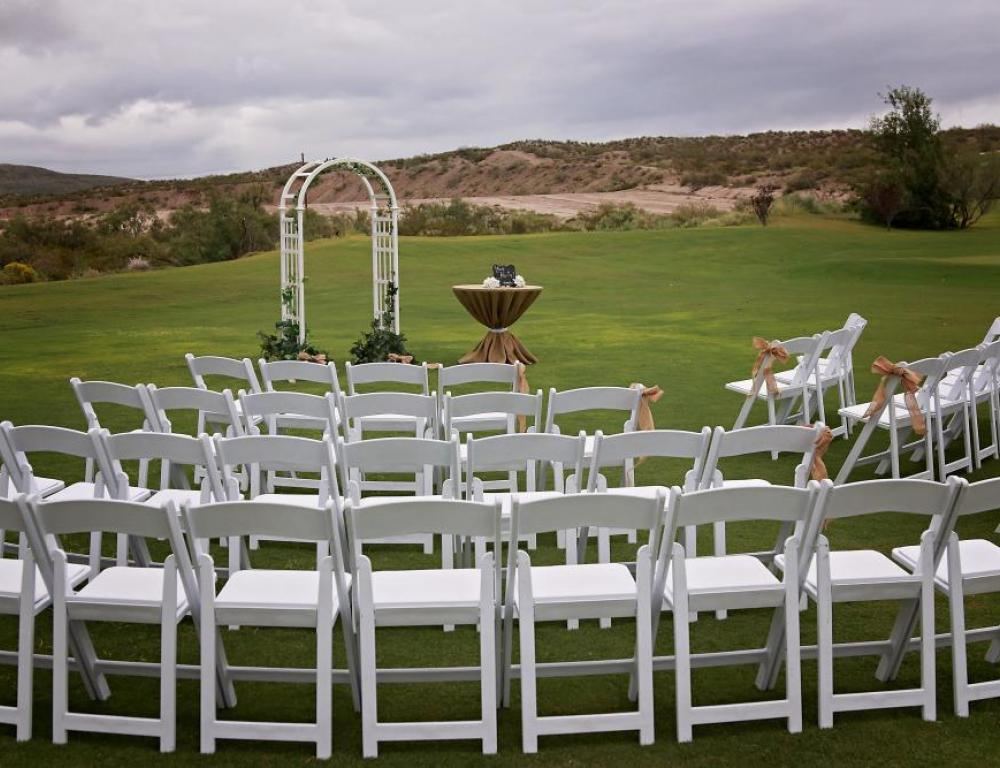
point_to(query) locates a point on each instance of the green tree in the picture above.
(908, 143)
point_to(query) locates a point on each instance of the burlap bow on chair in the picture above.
(910, 382)
(767, 353)
(645, 415)
(522, 387)
(818, 469)
(392, 357)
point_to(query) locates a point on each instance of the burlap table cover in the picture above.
(497, 309)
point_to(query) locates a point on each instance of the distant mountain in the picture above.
(32, 180)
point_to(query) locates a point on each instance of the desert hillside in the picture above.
(558, 177)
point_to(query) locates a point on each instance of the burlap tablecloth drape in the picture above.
(497, 309)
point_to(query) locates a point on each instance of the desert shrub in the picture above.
(138, 264)
(16, 273)
(797, 202)
(693, 214)
(761, 202)
(698, 179)
(459, 217)
(806, 179)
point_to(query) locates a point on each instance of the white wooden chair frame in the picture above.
(795, 506)
(478, 373)
(447, 518)
(579, 511)
(244, 519)
(898, 425)
(804, 380)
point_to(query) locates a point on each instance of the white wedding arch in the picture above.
(385, 238)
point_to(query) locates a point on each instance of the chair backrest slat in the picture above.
(438, 516)
(477, 373)
(85, 515)
(298, 370)
(386, 373)
(381, 403)
(248, 518)
(589, 510)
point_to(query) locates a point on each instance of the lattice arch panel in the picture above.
(384, 214)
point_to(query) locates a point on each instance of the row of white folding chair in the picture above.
(981, 385)
(806, 383)
(939, 402)
(735, 581)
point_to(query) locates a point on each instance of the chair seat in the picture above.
(262, 589)
(82, 490)
(639, 491)
(729, 574)
(298, 499)
(851, 568)
(139, 589)
(391, 422)
(749, 482)
(745, 387)
(506, 497)
(12, 570)
(43, 486)
(826, 379)
(857, 413)
(480, 422)
(179, 496)
(588, 582)
(426, 589)
(980, 558)
(370, 501)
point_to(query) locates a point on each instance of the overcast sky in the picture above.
(156, 88)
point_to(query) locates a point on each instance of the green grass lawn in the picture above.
(676, 308)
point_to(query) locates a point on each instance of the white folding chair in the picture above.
(427, 597)
(895, 418)
(309, 599)
(419, 457)
(953, 409)
(581, 591)
(776, 439)
(827, 365)
(462, 411)
(12, 475)
(18, 443)
(390, 377)
(795, 392)
(967, 567)
(478, 374)
(277, 453)
(23, 594)
(277, 410)
(829, 372)
(525, 453)
(239, 373)
(131, 595)
(731, 582)
(392, 411)
(986, 388)
(634, 447)
(89, 393)
(295, 372)
(217, 410)
(848, 576)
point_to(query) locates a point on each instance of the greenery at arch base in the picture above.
(376, 345)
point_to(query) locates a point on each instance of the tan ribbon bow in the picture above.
(909, 381)
(769, 352)
(649, 395)
(823, 440)
(522, 387)
(392, 357)
(307, 358)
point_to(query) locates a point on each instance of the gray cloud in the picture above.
(188, 87)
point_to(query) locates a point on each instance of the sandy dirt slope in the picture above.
(656, 198)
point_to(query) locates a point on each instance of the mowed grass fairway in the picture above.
(676, 308)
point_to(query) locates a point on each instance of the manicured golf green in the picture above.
(676, 308)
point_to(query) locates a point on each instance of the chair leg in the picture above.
(60, 665)
(956, 606)
(324, 662)
(793, 659)
(572, 558)
(644, 649)
(366, 632)
(168, 658)
(824, 633)
(207, 640)
(719, 544)
(25, 651)
(526, 631)
(928, 645)
(682, 649)
(487, 656)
